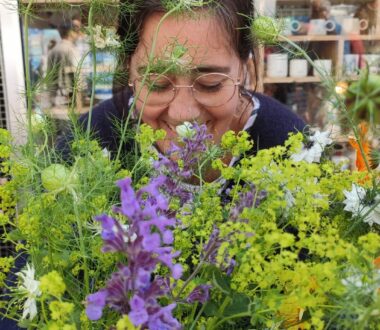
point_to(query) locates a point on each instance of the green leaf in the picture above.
(211, 309)
(240, 304)
(221, 281)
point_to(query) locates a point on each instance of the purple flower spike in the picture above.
(177, 271)
(200, 293)
(163, 319)
(130, 204)
(112, 234)
(95, 305)
(138, 314)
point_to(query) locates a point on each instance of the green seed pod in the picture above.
(363, 99)
(265, 29)
(57, 177)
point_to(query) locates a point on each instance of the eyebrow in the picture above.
(198, 69)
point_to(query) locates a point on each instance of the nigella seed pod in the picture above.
(265, 29)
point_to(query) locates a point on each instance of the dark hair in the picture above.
(235, 16)
(65, 29)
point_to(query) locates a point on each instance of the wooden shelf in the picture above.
(289, 80)
(63, 1)
(306, 37)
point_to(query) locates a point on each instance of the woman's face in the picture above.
(208, 50)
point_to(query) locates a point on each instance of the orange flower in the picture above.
(376, 262)
(360, 160)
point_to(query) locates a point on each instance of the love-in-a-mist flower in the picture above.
(185, 130)
(371, 212)
(30, 289)
(318, 141)
(354, 199)
(105, 37)
(265, 29)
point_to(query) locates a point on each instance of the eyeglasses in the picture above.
(210, 89)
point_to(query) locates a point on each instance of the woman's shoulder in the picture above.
(273, 123)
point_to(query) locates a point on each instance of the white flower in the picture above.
(30, 288)
(99, 39)
(310, 155)
(105, 38)
(374, 212)
(313, 154)
(185, 130)
(367, 283)
(353, 199)
(321, 138)
(112, 40)
(106, 153)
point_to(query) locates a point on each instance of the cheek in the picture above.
(225, 111)
(149, 115)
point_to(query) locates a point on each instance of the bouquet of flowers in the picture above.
(283, 239)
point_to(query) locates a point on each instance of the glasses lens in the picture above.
(156, 90)
(213, 89)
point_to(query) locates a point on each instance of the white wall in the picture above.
(13, 74)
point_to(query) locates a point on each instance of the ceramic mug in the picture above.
(353, 25)
(324, 65)
(320, 26)
(298, 68)
(351, 64)
(291, 26)
(277, 65)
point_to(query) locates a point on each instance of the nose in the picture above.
(184, 107)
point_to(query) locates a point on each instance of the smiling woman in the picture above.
(189, 66)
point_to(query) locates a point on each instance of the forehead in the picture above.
(204, 38)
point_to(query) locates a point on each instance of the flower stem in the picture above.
(81, 243)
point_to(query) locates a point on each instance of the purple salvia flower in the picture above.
(117, 288)
(138, 314)
(246, 200)
(163, 319)
(146, 242)
(130, 205)
(95, 304)
(192, 149)
(200, 293)
(210, 251)
(113, 234)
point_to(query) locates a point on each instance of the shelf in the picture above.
(306, 37)
(288, 80)
(55, 2)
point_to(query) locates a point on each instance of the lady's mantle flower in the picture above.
(354, 198)
(312, 154)
(31, 288)
(105, 38)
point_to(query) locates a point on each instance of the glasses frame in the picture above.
(237, 82)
